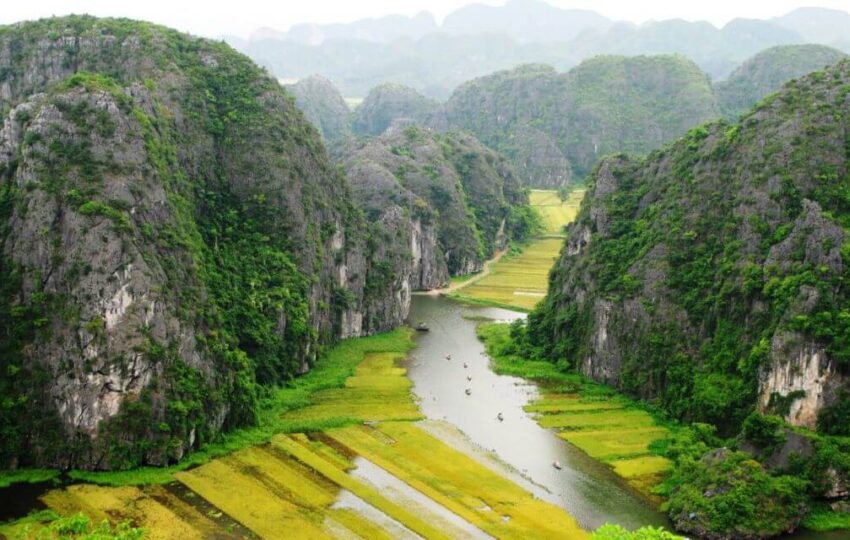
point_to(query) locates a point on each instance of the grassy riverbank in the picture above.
(520, 278)
(606, 426)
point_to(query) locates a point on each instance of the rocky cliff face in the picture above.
(767, 72)
(712, 276)
(173, 235)
(323, 106)
(444, 201)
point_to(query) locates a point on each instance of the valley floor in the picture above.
(370, 472)
(520, 278)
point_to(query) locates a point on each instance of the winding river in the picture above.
(586, 489)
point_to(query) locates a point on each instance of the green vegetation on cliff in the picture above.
(172, 230)
(393, 103)
(464, 200)
(323, 106)
(711, 278)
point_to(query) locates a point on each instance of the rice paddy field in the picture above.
(553, 212)
(519, 280)
(364, 470)
(609, 430)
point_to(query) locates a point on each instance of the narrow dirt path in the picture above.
(477, 277)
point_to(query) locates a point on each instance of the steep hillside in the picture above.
(768, 71)
(449, 199)
(390, 105)
(712, 276)
(174, 237)
(554, 126)
(323, 106)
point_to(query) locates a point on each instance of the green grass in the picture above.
(823, 518)
(331, 371)
(26, 476)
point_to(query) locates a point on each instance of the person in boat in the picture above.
(500, 417)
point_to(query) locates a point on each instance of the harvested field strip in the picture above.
(132, 503)
(457, 482)
(365, 492)
(353, 522)
(617, 418)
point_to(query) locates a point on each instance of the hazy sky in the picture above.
(240, 17)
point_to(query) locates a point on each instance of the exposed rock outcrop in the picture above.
(173, 235)
(712, 275)
(444, 201)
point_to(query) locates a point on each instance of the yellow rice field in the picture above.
(291, 486)
(609, 431)
(554, 213)
(520, 280)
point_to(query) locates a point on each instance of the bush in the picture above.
(765, 431)
(731, 495)
(835, 419)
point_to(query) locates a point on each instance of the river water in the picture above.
(589, 491)
(586, 489)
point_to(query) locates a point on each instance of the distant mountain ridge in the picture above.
(552, 126)
(479, 39)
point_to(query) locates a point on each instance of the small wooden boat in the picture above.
(422, 327)
(468, 391)
(556, 465)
